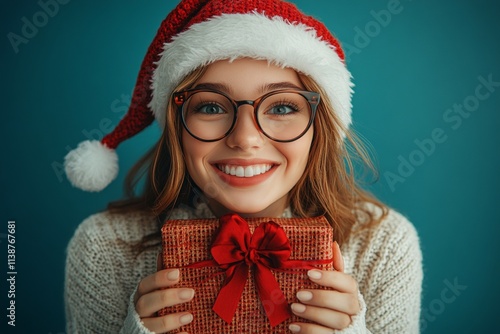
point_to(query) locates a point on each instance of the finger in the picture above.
(339, 301)
(306, 328)
(338, 260)
(168, 322)
(161, 279)
(148, 304)
(334, 279)
(322, 316)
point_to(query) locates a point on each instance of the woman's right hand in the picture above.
(154, 293)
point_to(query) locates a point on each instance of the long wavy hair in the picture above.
(328, 186)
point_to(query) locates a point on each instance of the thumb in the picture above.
(338, 261)
(159, 262)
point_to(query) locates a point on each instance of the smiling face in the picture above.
(246, 172)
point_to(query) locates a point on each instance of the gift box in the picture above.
(245, 272)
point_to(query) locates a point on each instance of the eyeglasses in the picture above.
(282, 115)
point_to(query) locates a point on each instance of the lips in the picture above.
(244, 171)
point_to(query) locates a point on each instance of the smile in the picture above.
(244, 171)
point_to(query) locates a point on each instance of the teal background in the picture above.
(77, 75)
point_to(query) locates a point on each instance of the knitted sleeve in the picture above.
(389, 274)
(96, 299)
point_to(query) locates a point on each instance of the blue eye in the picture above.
(282, 110)
(210, 109)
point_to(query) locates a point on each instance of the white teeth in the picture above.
(247, 171)
(240, 171)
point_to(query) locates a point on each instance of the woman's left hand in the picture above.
(328, 309)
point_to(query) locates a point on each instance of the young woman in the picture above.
(254, 101)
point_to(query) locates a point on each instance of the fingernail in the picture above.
(294, 328)
(186, 294)
(173, 275)
(314, 274)
(186, 319)
(298, 308)
(304, 296)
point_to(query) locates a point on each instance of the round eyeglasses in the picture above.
(282, 115)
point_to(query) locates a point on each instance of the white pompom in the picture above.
(91, 166)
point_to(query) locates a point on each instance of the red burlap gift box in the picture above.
(186, 242)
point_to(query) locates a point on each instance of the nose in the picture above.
(245, 134)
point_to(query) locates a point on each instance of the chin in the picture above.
(256, 208)
(246, 210)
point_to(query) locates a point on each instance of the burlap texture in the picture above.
(188, 241)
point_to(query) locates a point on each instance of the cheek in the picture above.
(297, 154)
(193, 153)
(303, 148)
(300, 157)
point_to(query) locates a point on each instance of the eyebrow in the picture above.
(262, 90)
(216, 86)
(278, 85)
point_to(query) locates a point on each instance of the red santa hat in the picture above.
(199, 32)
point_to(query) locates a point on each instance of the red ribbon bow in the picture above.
(235, 249)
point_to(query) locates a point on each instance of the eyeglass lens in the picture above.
(281, 116)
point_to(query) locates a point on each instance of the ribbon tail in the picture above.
(303, 264)
(271, 296)
(230, 294)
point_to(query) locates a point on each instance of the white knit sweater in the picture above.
(102, 273)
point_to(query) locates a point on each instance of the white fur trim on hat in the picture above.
(254, 35)
(91, 166)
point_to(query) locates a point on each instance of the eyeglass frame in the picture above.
(313, 98)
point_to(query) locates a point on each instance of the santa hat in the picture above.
(199, 32)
